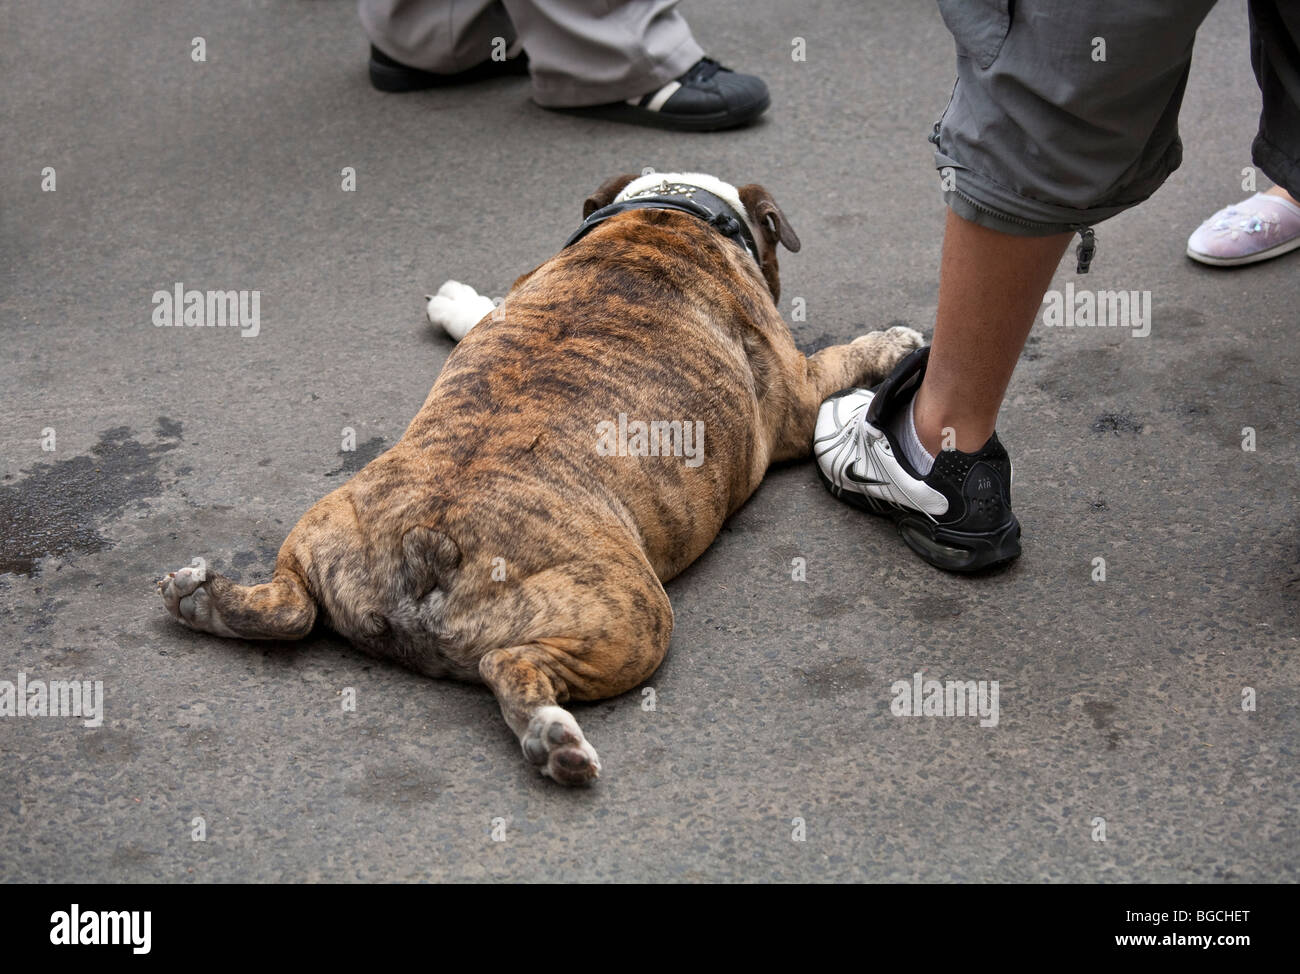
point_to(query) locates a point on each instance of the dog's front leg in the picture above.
(457, 308)
(863, 362)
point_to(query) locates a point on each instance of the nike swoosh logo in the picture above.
(865, 481)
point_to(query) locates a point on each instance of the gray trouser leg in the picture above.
(1064, 113)
(446, 36)
(587, 52)
(580, 52)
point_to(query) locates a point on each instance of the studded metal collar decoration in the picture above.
(683, 197)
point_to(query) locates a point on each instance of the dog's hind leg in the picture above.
(863, 362)
(529, 689)
(203, 600)
(629, 622)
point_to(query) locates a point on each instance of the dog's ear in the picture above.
(768, 217)
(605, 195)
(771, 223)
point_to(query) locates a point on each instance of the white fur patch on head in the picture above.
(710, 184)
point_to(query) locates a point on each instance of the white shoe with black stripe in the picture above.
(957, 517)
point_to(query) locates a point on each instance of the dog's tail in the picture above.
(430, 557)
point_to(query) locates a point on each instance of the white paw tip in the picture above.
(457, 308)
(457, 290)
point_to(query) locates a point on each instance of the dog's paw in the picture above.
(457, 308)
(185, 594)
(900, 339)
(879, 351)
(554, 743)
(905, 338)
(885, 349)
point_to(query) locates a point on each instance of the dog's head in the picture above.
(766, 222)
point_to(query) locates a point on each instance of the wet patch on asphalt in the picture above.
(354, 460)
(56, 508)
(1116, 423)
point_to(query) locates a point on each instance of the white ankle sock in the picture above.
(905, 429)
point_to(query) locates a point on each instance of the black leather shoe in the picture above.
(707, 97)
(389, 75)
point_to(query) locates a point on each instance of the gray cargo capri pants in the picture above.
(1065, 113)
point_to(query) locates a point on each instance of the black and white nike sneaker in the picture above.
(957, 517)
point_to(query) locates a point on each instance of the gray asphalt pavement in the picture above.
(1122, 750)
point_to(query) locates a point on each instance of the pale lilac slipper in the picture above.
(1256, 229)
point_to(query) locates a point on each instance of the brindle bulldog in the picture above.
(520, 531)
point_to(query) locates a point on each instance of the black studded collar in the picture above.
(712, 209)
